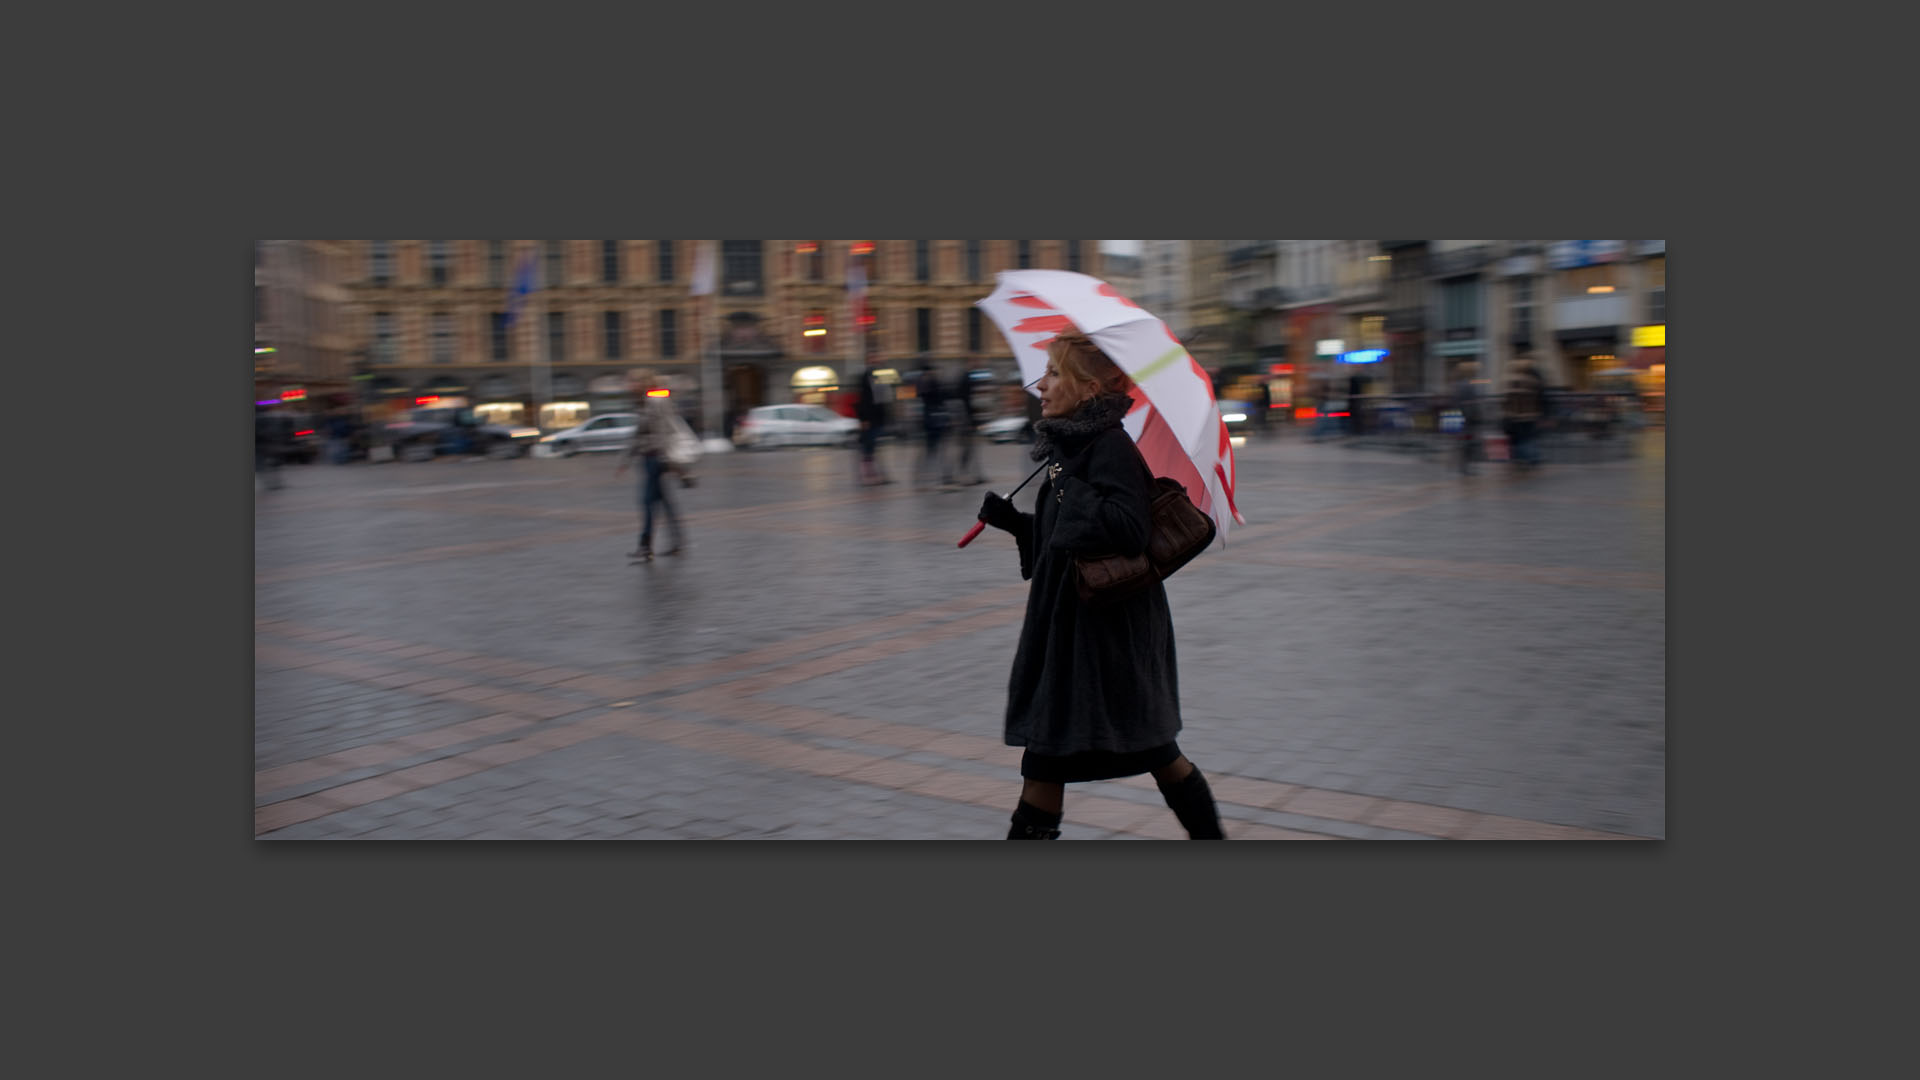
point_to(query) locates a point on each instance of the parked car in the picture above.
(1007, 429)
(426, 433)
(609, 431)
(1238, 416)
(794, 425)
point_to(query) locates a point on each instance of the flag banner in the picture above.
(704, 270)
(522, 286)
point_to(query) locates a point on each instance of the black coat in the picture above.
(1097, 675)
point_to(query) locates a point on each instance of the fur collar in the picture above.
(1069, 433)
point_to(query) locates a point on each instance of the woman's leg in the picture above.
(1038, 815)
(1190, 799)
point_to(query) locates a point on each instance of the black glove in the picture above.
(1000, 514)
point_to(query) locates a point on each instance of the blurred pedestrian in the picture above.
(966, 421)
(339, 436)
(653, 428)
(1465, 400)
(872, 413)
(1262, 405)
(272, 440)
(932, 395)
(1094, 693)
(1521, 410)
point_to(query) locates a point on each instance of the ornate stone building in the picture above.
(430, 317)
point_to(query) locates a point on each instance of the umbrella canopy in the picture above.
(1174, 420)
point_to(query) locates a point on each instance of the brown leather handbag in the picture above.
(1178, 531)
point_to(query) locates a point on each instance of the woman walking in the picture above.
(1094, 693)
(653, 428)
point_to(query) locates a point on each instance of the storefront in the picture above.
(815, 385)
(609, 394)
(1587, 352)
(569, 407)
(499, 399)
(1650, 364)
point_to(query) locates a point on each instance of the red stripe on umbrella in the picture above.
(1030, 300)
(1038, 323)
(1108, 290)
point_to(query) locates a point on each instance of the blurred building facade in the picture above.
(1414, 311)
(430, 317)
(1122, 271)
(1165, 284)
(300, 337)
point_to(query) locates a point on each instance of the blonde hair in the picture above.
(1081, 362)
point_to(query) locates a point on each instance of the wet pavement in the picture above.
(1387, 650)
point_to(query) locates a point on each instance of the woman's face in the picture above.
(1060, 396)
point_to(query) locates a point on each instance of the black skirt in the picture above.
(1095, 764)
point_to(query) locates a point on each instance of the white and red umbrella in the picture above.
(1175, 420)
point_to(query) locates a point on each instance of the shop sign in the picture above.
(1650, 337)
(1568, 254)
(1330, 347)
(1651, 247)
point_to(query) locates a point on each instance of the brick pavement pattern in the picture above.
(1387, 651)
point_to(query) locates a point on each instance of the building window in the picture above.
(610, 262)
(1025, 248)
(1585, 280)
(861, 255)
(1073, 255)
(1657, 306)
(669, 333)
(1461, 308)
(381, 270)
(741, 260)
(923, 329)
(442, 338)
(973, 330)
(813, 259)
(498, 322)
(556, 337)
(383, 337)
(556, 263)
(610, 330)
(923, 260)
(437, 262)
(663, 256)
(497, 263)
(973, 260)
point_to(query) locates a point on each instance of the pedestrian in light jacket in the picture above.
(1094, 693)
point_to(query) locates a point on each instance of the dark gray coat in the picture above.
(1096, 675)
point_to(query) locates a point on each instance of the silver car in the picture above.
(613, 431)
(794, 425)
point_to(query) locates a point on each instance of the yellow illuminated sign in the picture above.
(1650, 337)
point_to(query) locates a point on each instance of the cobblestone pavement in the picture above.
(1387, 650)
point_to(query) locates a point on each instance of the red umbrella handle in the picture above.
(973, 532)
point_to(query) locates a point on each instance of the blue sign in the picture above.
(1363, 356)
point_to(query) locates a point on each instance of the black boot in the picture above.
(1191, 800)
(1032, 823)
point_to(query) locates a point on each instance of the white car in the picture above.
(1008, 429)
(794, 425)
(612, 431)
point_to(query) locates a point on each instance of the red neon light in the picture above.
(863, 247)
(297, 434)
(1306, 413)
(659, 393)
(426, 400)
(807, 248)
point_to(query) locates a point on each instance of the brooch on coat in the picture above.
(1053, 474)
